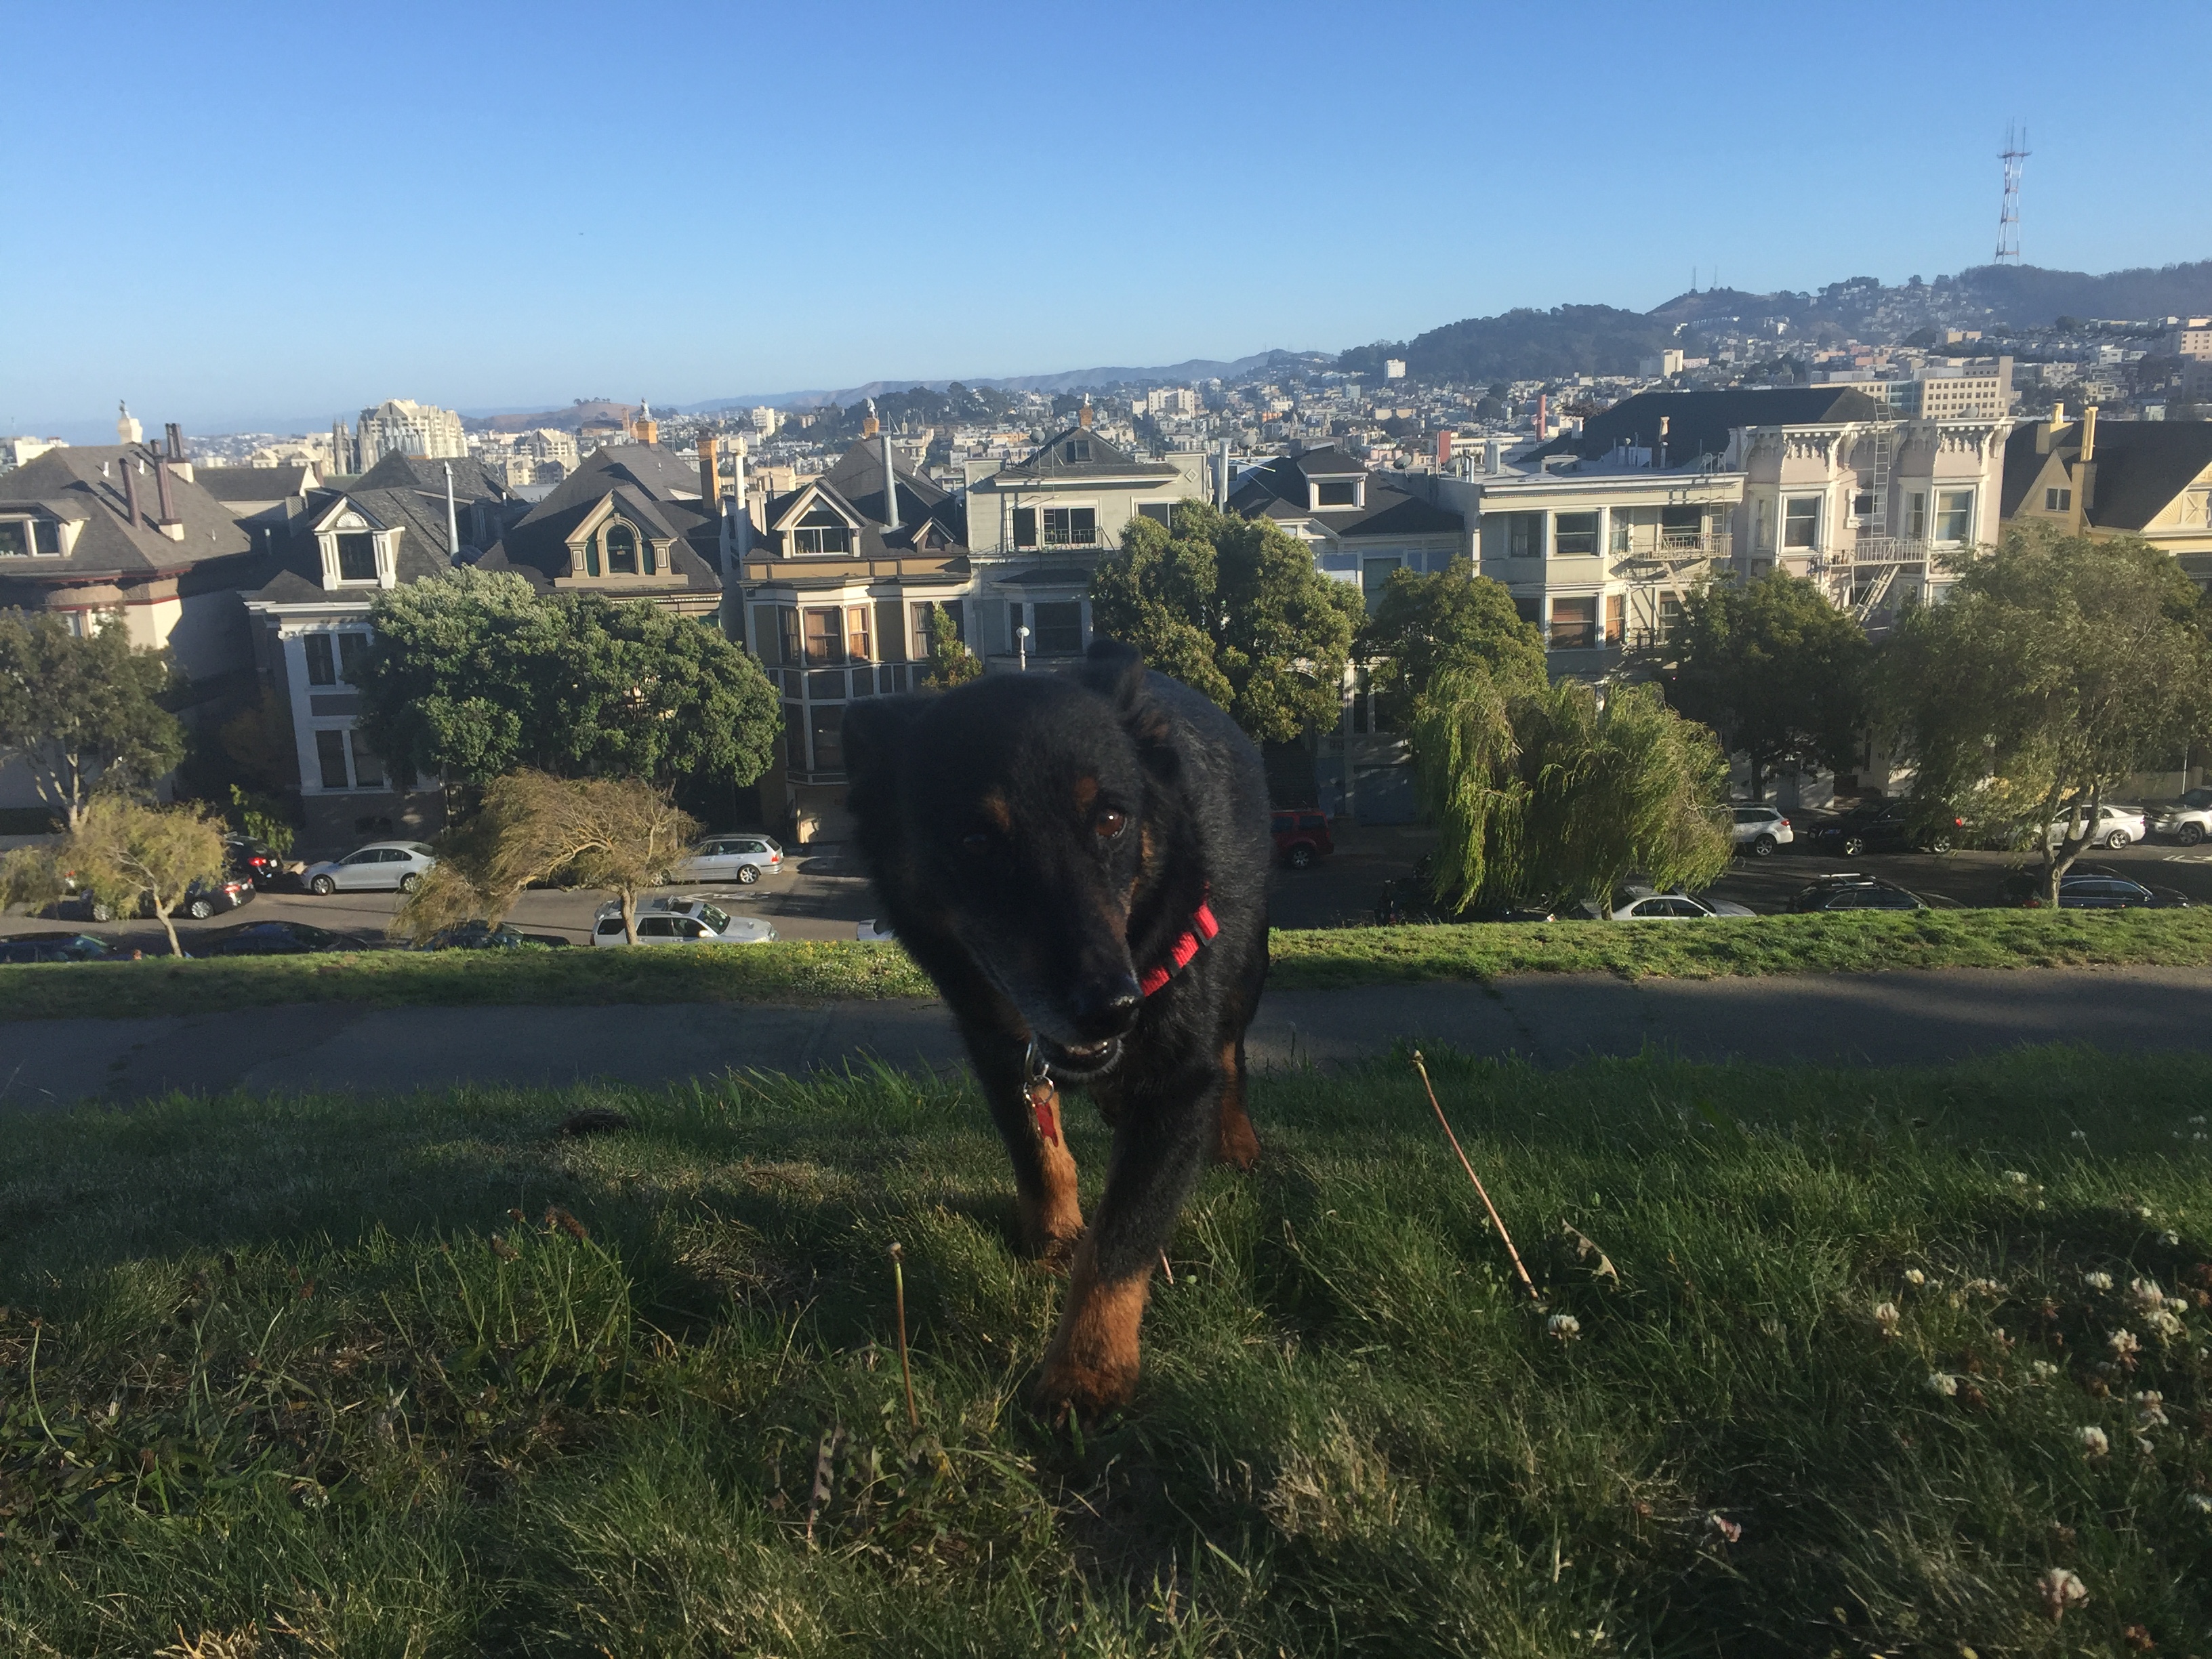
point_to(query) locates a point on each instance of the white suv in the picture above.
(743, 859)
(1760, 829)
(693, 920)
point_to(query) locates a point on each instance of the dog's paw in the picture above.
(1056, 1252)
(1087, 1392)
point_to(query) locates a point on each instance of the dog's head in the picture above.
(1020, 817)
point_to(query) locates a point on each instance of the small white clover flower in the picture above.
(2081, 1134)
(1914, 1276)
(1565, 1327)
(2044, 1370)
(2143, 1445)
(2018, 1177)
(2097, 1281)
(2198, 1502)
(1988, 1287)
(2169, 1239)
(2123, 1343)
(2150, 1408)
(2144, 1294)
(2061, 1589)
(2143, 1212)
(2093, 1441)
(1942, 1384)
(2164, 1326)
(2198, 1118)
(1885, 1316)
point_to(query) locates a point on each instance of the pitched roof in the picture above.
(1278, 490)
(637, 479)
(1054, 458)
(2142, 466)
(397, 471)
(252, 483)
(84, 483)
(2023, 464)
(857, 478)
(1698, 422)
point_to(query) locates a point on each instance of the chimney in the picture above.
(2085, 470)
(1221, 482)
(453, 518)
(890, 487)
(1493, 455)
(130, 488)
(2089, 435)
(710, 473)
(2046, 432)
(871, 426)
(1083, 419)
(1443, 448)
(173, 436)
(1660, 459)
(170, 525)
(1543, 414)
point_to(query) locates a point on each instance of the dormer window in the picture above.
(822, 532)
(622, 550)
(1338, 492)
(356, 557)
(25, 539)
(356, 554)
(1075, 450)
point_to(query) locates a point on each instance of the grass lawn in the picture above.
(1880, 1353)
(1315, 959)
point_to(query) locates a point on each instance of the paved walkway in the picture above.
(1885, 1019)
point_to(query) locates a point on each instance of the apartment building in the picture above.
(2147, 478)
(400, 426)
(1951, 389)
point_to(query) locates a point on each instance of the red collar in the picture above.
(1192, 940)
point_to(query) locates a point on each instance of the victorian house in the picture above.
(2147, 478)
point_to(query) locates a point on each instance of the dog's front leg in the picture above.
(1164, 1139)
(1044, 1169)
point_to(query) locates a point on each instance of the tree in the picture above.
(611, 833)
(951, 662)
(1778, 671)
(1234, 608)
(1426, 626)
(1551, 791)
(2056, 666)
(473, 675)
(124, 854)
(82, 713)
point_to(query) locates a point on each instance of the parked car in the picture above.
(2188, 820)
(2092, 887)
(201, 899)
(1760, 829)
(1886, 829)
(1640, 903)
(250, 860)
(875, 930)
(1849, 889)
(481, 936)
(1301, 837)
(744, 859)
(691, 920)
(56, 947)
(2116, 826)
(272, 938)
(380, 864)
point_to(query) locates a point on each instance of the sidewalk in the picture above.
(1882, 1019)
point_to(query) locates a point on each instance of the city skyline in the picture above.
(551, 203)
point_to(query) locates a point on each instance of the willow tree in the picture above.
(1556, 790)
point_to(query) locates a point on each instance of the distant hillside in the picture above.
(2031, 297)
(1074, 380)
(1521, 344)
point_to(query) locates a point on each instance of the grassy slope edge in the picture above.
(1315, 959)
(1878, 1352)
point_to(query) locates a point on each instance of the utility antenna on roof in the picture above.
(2013, 156)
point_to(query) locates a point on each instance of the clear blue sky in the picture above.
(231, 213)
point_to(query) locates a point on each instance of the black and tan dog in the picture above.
(1080, 862)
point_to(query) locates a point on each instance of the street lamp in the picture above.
(1022, 648)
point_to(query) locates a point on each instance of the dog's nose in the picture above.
(1107, 1007)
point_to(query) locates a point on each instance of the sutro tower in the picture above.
(2015, 152)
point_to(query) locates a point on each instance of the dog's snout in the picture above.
(1107, 1006)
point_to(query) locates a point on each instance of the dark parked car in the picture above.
(2092, 887)
(1301, 837)
(252, 861)
(1848, 890)
(55, 947)
(272, 938)
(1888, 829)
(481, 936)
(200, 901)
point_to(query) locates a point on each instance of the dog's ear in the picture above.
(875, 735)
(1116, 672)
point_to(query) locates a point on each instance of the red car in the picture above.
(1301, 837)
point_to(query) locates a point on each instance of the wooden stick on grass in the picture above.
(1497, 1220)
(906, 1371)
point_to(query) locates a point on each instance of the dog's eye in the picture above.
(975, 843)
(1109, 823)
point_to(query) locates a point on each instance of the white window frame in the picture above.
(1813, 545)
(1964, 539)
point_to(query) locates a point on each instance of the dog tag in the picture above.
(1047, 1121)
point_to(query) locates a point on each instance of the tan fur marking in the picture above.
(1091, 1367)
(1234, 1141)
(1052, 1215)
(995, 809)
(1086, 791)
